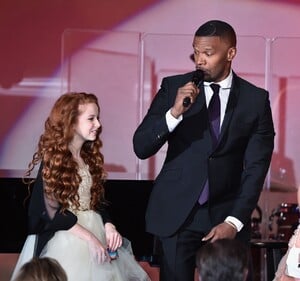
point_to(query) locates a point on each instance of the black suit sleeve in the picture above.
(256, 162)
(153, 132)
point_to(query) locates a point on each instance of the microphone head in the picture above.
(198, 77)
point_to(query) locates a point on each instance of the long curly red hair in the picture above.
(60, 171)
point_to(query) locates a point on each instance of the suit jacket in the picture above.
(236, 168)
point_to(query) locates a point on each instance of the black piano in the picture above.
(128, 200)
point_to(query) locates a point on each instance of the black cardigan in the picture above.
(39, 221)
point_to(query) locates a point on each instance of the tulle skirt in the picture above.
(282, 273)
(74, 256)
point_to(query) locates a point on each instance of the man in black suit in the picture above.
(227, 167)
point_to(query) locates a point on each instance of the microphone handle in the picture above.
(186, 101)
(197, 79)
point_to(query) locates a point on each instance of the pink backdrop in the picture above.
(120, 50)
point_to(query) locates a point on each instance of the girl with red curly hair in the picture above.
(67, 217)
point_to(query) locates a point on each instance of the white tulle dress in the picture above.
(288, 267)
(74, 255)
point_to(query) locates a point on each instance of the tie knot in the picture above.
(215, 88)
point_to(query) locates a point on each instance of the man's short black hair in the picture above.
(218, 28)
(223, 260)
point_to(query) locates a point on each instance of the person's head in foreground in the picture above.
(222, 260)
(41, 269)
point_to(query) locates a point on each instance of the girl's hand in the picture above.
(97, 249)
(113, 237)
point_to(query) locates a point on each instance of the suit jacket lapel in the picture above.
(200, 101)
(232, 101)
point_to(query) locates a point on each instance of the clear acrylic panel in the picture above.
(167, 54)
(108, 66)
(285, 77)
(170, 54)
(278, 222)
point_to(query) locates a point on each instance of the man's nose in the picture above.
(199, 60)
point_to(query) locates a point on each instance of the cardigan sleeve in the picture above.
(44, 215)
(104, 213)
(43, 219)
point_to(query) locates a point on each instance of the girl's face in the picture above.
(88, 123)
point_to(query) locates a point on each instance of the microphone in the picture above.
(197, 79)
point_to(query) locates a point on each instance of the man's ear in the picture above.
(231, 53)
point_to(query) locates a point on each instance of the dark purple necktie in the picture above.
(214, 109)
